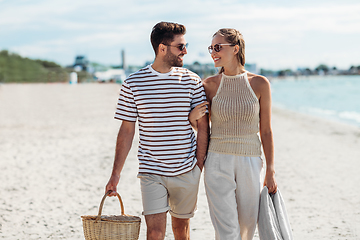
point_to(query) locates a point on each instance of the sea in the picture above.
(332, 97)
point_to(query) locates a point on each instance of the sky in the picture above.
(279, 34)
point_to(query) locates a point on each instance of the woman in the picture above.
(240, 108)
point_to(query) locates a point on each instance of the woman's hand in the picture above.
(270, 182)
(197, 113)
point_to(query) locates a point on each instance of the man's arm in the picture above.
(202, 139)
(198, 112)
(123, 145)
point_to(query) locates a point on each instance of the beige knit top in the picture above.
(235, 118)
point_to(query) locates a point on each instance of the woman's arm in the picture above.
(266, 134)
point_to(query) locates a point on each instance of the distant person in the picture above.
(161, 96)
(240, 108)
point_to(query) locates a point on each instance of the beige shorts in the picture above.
(178, 194)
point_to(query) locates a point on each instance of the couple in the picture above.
(168, 100)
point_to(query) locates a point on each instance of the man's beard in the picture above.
(172, 60)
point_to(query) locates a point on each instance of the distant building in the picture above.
(303, 72)
(81, 62)
(123, 60)
(203, 70)
(111, 75)
(251, 67)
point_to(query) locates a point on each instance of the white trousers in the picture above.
(232, 186)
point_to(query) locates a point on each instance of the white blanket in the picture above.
(273, 220)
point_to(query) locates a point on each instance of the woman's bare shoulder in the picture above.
(212, 79)
(258, 80)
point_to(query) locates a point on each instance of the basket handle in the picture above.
(102, 204)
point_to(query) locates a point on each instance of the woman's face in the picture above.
(226, 55)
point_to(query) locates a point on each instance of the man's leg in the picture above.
(156, 226)
(181, 228)
(183, 191)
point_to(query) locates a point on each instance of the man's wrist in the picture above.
(115, 175)
(200, 159)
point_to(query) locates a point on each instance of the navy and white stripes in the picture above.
(161, 103)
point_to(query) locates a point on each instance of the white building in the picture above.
(115, 75)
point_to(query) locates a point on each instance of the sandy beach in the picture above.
(57, 146)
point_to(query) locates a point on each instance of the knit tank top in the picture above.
(235, 118)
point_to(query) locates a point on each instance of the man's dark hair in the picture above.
(164, 33)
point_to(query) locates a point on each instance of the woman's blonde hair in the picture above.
(233, 36)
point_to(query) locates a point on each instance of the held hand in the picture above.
(111, 185)
(270, 182)
(198, 112)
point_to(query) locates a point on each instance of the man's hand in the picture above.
(200, 165)
(111, 185)
(202, 140)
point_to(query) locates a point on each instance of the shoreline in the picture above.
(57, 145)
(333, 98)
(329, 119)
(305, 77)
(320, 158)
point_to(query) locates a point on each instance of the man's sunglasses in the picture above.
(181, 47)
(217, 47)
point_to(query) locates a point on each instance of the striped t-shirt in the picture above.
(161, 102)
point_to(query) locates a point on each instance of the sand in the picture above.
(56, 153)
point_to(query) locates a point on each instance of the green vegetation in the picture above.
(321, 69)
(14, 68)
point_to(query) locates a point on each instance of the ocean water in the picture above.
(332, 97)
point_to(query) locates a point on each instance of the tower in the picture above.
(123, 59)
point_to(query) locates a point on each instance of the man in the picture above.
(171, 159)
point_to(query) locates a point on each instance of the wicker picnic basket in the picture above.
(111, 227)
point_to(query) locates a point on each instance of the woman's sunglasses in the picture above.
(217, 47)
(181, 47)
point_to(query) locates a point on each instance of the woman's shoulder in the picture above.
(211, 85)
(257, 79)
(212, 79)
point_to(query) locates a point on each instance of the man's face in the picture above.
(174, 56)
